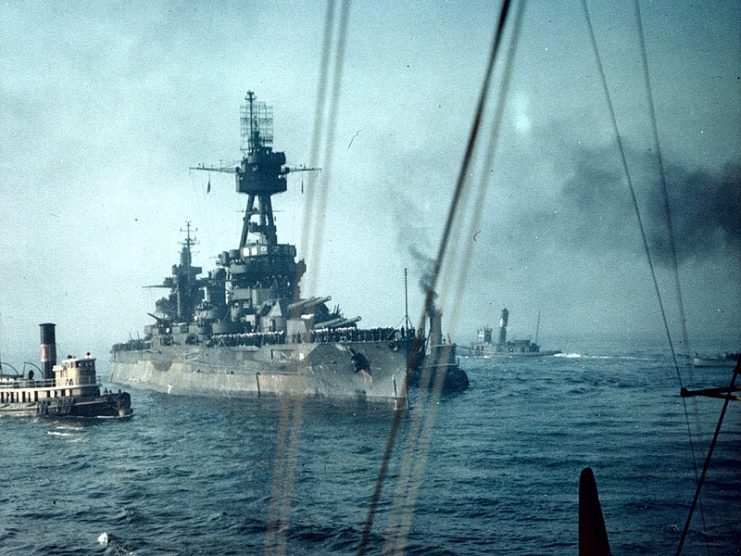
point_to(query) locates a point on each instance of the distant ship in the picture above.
(68, 389)
(722, 360)
(244, 330)
(485, 347)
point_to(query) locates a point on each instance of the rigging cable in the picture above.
(460, 183)
(630, 183)
(316, 137)
(670, 232)
(638, 216)
(705, 466)
(664, 191)
(289, 426)
(333, 109)
(417, 445)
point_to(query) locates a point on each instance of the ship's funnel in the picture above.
(48, 349)
(436, 328)
(503, 327)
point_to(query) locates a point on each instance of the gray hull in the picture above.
(322, 371)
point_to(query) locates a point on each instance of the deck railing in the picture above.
(319, 336)
(51, 383)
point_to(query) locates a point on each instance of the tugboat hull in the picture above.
(106, 405)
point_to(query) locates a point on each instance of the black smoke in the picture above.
(596, 213)
(705, 208)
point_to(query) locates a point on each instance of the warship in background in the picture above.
(244, 330)
(68, 389)
(485, 347)
(724, 359)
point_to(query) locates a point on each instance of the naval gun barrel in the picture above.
(310, 302)
(335, 323)
(300, 303)
(159, 320)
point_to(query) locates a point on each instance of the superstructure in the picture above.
(243, 329)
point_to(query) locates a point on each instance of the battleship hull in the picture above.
(321, 371)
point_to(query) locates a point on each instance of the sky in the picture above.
(105, 106)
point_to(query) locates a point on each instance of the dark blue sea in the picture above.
(493, 470)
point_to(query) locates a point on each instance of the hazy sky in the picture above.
(104, 106)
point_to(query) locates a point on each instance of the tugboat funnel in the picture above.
(48, 349)
(503, 327)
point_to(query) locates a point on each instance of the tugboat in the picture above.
(438, 359)
(244, 330)
(68, 389)
(485, 347)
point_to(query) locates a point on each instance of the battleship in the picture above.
(68, 389)
(243, 329)
(484, 346)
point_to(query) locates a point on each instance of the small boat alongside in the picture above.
(68, 389)
(722, 360)
(437, 359)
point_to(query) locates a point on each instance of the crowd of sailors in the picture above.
(320, 335)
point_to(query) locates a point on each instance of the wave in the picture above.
(575, 355)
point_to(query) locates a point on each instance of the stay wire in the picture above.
(316, 137)
(333, 110)
(706, 465)
(664, 189)
(640, 224)
(417, 447)
(373, 506)
(670, 231)
(288, 434)
(631, 189)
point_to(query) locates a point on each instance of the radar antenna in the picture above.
(261, 172)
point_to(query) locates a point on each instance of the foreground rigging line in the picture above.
(606, 91)
(670, 230)
(333, 109)
(700, 482)
(438, 261)
(316, 136)
(603, 80)
(417, 447)
(289, 429)
(664, 191)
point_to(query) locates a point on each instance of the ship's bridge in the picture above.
(74, 371)
(259, 249)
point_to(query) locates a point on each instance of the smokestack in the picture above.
(48, 349)
(503, 327)
(436, 333)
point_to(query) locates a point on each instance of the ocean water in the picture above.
(497, 474)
